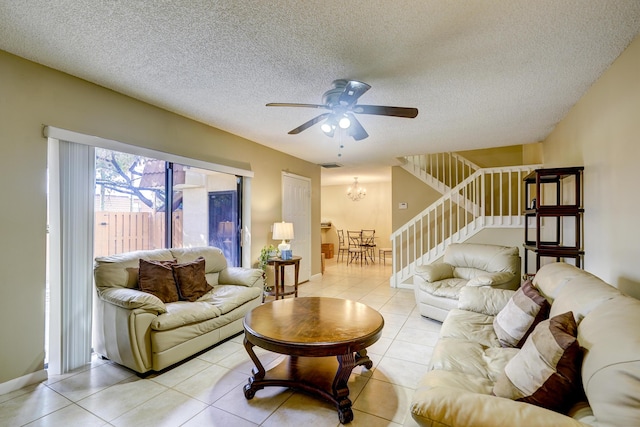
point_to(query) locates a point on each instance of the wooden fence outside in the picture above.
(118, 232)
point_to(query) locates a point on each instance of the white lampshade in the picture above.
(283, 231)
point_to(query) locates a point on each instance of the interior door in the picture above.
(296, 208)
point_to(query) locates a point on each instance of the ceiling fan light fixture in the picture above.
(341, 103)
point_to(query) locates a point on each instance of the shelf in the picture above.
(562, 251)
(562, 210)
(552, 174)
(549, 186)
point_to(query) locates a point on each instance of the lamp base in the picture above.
(284, 246)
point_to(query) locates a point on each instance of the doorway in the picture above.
(296, 208)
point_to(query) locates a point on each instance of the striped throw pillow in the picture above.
(546, 371)
(520, 315)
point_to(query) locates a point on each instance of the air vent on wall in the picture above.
(331, 165)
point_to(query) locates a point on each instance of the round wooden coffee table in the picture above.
(324, 338)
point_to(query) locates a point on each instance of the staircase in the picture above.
(473, 199)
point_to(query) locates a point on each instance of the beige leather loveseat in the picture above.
(437, 286)
(138, 330)
(469, 365)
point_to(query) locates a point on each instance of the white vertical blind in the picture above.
(71, 170)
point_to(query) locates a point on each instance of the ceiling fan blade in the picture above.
(384, 110)
(308, 124)
(286, 104)
(352, 91)
(356, 130)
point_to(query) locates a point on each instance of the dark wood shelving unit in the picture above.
(559, 205)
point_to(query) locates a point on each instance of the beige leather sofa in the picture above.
(137, 330)
(457, 390)
(437, 286)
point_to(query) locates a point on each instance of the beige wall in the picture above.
(33, 96)
(495, 157)
(373, 212)
(602, 133)
(408, 189)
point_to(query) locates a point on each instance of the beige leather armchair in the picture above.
(437, 286)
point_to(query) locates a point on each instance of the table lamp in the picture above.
(283, 231)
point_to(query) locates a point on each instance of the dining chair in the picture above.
(356, 250)
(368, 242)
(343, 247)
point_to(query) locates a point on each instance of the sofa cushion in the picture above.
(191, 280)
(569, 288)
(156, 277)
(446, 288)
(470, 358)
(521, 314)
(470, 326)
(435, 271)
(482, 257)
(213, 257)
(229, 297)
(122, 270)
(545, 372)
(183, 313)
(488, 279)
(485, 300)
(458, 380)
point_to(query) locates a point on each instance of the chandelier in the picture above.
(355, 192)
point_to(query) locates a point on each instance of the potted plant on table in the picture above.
(268, 251)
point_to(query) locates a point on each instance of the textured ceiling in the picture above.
(481, 73)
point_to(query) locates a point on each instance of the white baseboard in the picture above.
(23, 381)
(317, 276)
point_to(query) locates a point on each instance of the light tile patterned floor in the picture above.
(207, 390)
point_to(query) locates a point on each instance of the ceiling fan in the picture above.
(341, 101)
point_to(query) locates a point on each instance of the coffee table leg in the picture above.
(363, 359)
(258, 372)
(346, 363)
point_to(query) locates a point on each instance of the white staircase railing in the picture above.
(490, 197)
(442, 171)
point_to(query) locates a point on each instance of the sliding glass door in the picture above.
(144, 203)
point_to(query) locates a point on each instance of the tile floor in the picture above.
(207, 390)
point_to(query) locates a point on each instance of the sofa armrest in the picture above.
(485, 300)
(444, 406)
(491, 279)
(123, 335)
(132, 298)
(434, 272)
(241, 276)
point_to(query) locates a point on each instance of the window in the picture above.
(124, 189)
(132, 200)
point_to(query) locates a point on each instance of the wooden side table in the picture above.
(279, 288)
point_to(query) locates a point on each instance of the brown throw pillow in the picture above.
(520, 315)
(191, 280)
(546, 371)
(156, 277)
